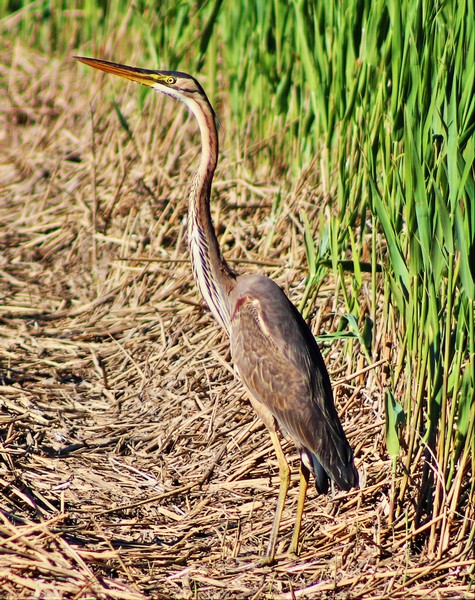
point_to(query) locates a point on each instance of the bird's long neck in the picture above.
(213, 275)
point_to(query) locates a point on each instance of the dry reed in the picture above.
(131, 463)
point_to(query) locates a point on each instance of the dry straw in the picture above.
(131, 463)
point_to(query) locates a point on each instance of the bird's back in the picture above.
(281, 366)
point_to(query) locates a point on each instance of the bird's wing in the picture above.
(280, 364)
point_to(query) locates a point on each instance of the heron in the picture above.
(273, 349)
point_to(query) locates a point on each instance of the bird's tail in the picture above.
(345, 478)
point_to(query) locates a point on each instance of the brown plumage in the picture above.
(281, 366)
(272, 347)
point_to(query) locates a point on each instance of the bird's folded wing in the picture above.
(279, 362)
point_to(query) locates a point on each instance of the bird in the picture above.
(273, 349)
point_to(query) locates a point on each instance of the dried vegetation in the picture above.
(131, 463)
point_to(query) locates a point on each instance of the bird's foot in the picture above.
(267, 560)
(293, 551)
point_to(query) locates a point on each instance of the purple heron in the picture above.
(272, 347)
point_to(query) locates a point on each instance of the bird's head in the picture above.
(179, 85)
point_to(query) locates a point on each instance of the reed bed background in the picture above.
(131, 464)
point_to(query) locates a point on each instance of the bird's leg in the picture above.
(303, 485)
(284, 476)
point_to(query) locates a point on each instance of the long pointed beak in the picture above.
(143, 76)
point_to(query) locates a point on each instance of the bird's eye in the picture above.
(171, 80)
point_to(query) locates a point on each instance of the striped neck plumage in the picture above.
(213, 276)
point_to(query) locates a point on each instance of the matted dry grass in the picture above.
(131, 463)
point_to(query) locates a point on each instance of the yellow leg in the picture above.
(303, 485)
(284, 476)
